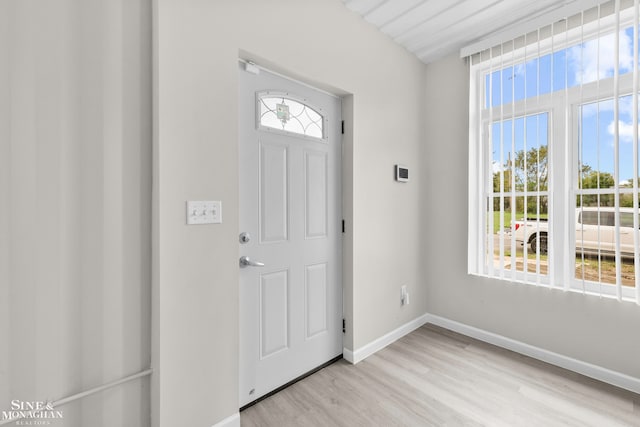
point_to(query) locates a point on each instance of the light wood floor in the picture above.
(434, 377)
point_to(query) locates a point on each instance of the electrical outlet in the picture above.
(404, 295)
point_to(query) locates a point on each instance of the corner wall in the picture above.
(596, 330)
(75, 206)
(320, 42)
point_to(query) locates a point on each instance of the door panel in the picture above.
(274, 182)
(290, 207)
(316, 194)
(316, 299)
(274, 310)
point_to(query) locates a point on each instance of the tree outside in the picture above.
(530, 170)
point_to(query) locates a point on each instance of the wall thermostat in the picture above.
(402, 173)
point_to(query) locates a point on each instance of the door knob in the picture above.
(245, 261)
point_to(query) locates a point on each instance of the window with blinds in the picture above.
(553, 162)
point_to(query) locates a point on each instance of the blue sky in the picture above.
(585, 63)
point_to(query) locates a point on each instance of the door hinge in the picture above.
(343, 225)
(344, 326)
(342, 127)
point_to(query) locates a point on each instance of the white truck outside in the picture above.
(594, 227)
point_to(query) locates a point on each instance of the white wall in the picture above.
(197, 44)
(75, 205)
(75, 170)
(603, 332)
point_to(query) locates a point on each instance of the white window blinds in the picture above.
(553, 184)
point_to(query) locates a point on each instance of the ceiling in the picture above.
(432, 29)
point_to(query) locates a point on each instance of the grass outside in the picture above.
(605, 270)
(591, 269)
(530, 255)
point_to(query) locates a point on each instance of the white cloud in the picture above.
(589, 66)
(590, 110)
(519, 69)
(625, 105)
(625, 130)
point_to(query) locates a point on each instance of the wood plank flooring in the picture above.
(435, 377)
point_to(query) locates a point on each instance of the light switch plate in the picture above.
(204, 212)
(216, 208)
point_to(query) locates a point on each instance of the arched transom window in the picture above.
(278, 111)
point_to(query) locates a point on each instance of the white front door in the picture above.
(290, 221)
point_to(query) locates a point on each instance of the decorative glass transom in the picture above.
(278, 112)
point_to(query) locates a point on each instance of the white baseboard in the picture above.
(232, 421)
(355, 356)
(587, 369)
(348, 355)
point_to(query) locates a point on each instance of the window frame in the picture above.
(489, 194)
(564, 117)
